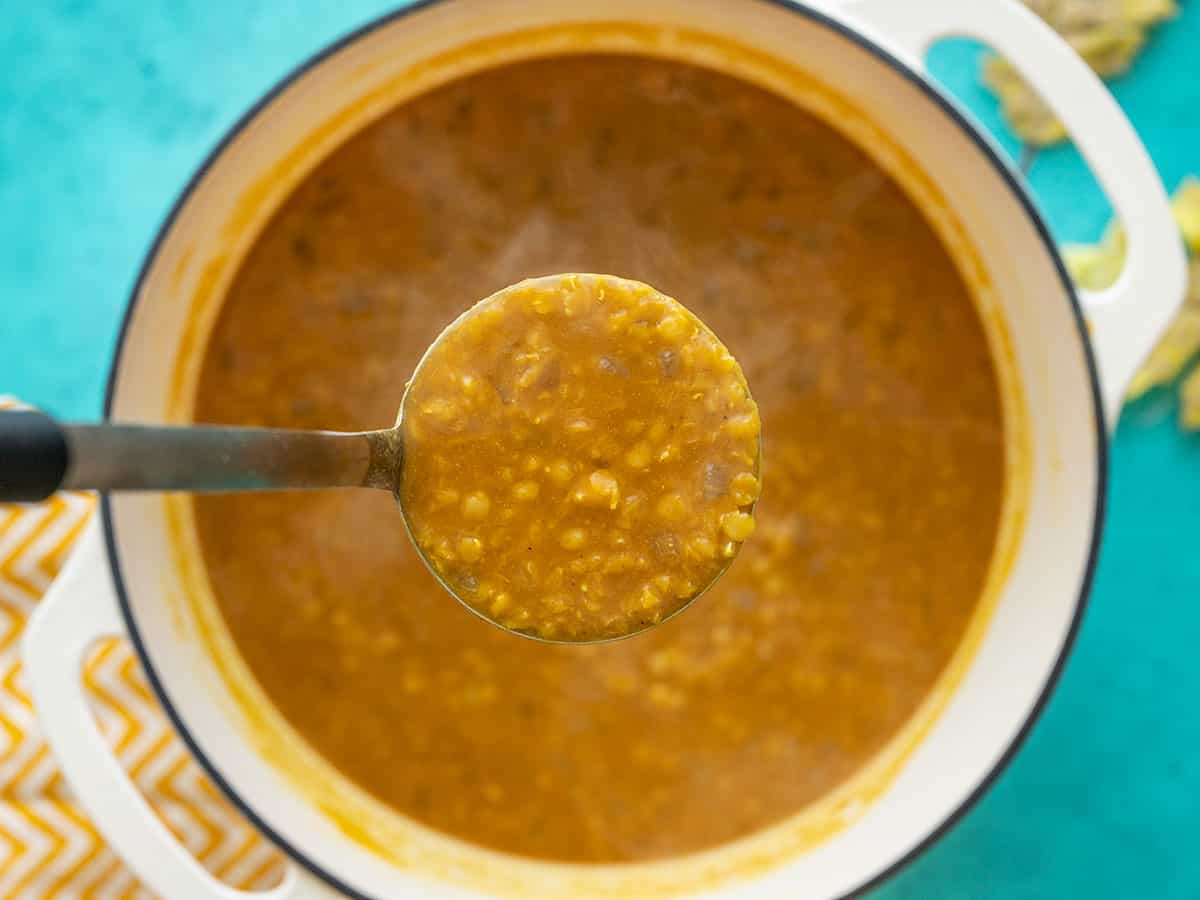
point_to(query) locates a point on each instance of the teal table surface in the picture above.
(106, 107)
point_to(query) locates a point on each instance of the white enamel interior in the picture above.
(1033, 617)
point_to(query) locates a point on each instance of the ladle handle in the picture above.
(39, 456)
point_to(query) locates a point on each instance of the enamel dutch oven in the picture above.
(1064, 359)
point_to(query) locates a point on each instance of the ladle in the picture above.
(39, 456)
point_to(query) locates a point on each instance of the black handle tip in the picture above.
(33, 456)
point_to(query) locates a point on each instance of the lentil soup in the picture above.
(580, 457)
(882, 475)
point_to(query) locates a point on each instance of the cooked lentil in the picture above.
(655, 466)
(883, 459)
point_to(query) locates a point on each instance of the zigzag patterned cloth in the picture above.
(48, 848)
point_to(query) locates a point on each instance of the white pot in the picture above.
(860, 65)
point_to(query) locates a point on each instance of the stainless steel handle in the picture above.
(220, 458)
(39, 456)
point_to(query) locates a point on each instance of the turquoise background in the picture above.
(106, 107)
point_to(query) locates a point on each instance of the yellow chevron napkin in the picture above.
(48, 848)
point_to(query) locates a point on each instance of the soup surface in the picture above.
(882, 475)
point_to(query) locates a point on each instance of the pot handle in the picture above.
(79, 609)
(1127, 318)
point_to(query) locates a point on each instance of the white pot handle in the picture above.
(79, 609)
(1127, 318)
